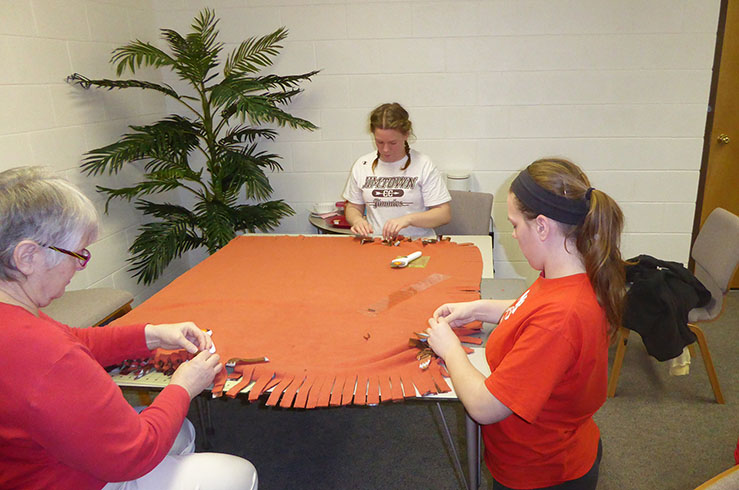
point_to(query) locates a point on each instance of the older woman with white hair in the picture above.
(64, 424)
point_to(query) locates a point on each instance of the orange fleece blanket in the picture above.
(329, 313)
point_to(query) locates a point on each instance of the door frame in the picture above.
(720, 30)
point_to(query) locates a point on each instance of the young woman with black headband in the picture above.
(549, 353)
(400, 189)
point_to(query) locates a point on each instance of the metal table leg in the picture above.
(473, 453)
(204, 421)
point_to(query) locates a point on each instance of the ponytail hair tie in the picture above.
(588, 193)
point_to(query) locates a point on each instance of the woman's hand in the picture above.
(457, 314)
(362, 228)
(441, 337)
(393, 226)
(184, 335)
(469, 383)
(197, 374)
(354, 214)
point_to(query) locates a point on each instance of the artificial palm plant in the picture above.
(224, 112)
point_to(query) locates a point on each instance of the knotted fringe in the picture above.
(313, 390)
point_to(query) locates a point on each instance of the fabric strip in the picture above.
(348, 394)
(274, 397)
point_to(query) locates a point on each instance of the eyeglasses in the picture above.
(83, 256)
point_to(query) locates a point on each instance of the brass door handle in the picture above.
(724, 138)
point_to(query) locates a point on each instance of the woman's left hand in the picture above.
(393, 226)
(184, 335)
(442, 338)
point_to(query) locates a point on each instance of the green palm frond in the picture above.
(160, 242)
(157, 244)
(171, 139)
(176, 42)
(86, 83)
(154, 165)
(127, 193)
(197, 53)
(167, 142)
(253, 156)
(255, 53)
(138, 53)
(173, 212)
(216, 220)
(260, 110)
(204, 29)
(287, 82)
(242, 169)
(130, 148)
(264, 216)
(243, 134)
(155, 182)
(231, 89)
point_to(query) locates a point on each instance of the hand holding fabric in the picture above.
(457, 314)
(441, 337)
(197, 374)
(362, 227)
(184, 335)
(393, 226)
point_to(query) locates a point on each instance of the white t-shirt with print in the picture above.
(390, 192)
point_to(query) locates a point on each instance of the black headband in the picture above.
(542, 201)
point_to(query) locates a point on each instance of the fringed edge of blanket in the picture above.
(312, 389)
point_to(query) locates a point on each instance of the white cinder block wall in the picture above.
(44, 121)
(619, 87)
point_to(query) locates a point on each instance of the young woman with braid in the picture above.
(399, 188)
(549, 353)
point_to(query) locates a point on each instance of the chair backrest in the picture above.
(89, 307)
(716, 254)
(728, 480)
(471, 214)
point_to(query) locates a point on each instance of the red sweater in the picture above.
(64, 423)
(549, 362)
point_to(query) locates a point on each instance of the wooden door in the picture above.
(719, 184)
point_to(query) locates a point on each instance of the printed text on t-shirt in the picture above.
(386, 189)
(512, 309)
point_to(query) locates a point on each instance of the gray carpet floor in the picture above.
(659, 432)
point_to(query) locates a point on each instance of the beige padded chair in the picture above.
(727, 480)
(89, 307)
(471, 214)
(716, 256)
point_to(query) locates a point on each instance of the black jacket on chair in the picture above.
(660, 296)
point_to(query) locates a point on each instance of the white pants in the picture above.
(184, 469)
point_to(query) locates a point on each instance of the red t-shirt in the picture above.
(549, 363)
(64, 423)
